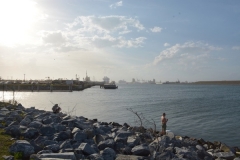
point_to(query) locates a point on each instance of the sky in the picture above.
(142, 39)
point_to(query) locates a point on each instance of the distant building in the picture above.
(87, 79)
(106, 79)
(133, 80)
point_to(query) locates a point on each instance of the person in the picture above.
(164, 123)
(56, 108)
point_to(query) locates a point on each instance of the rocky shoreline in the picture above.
(44, 135)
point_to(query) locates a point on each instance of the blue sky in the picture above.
(145, 40)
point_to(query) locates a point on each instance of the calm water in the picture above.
(210, 112)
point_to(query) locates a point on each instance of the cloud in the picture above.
(115, 5)
(104, 31)
(105, 24)
(156, 29)
(53, 38)
(119, 42)
(166, 44)
(188, 51)
(236, 48)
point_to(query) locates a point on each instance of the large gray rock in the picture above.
(35, 124)
(141, 150)
(79, 136)
(62, 136)
(22, 146)
(133, 141)
(25, 122)
(106, 143)
(67, 155)
(95, 156)
(131, 157)
(47, 130)
(31, 133)
(108, 154)
(66, 144)
(86, 149)
(224, 155)
(165, 156)
(53, 147)
(13, 130)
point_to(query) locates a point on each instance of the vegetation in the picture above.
(6, 142)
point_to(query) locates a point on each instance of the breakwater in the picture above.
(46, 87)
(41, 134)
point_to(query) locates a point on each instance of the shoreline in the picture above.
(80, 137)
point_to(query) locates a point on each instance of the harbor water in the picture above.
(210, 112)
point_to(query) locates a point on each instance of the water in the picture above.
(210, 112)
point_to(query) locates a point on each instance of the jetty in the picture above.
(46, 85)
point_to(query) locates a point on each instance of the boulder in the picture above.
(31, 133)
(141, 150)
(133, 141)
(47, 130)
(130, 157)
(224, 155)
(53, 147)
(61, 136)
(95, 156)
(108, 154)
(79, 136)
(35, 124)
(22, 146)
(86, 149)
(106, 143)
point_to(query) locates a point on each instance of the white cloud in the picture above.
(117, 4)
(102, 31)
(166, 44)
(236, 48)
(188, 51)
(156, 29)
(105, 24)
(53, 38)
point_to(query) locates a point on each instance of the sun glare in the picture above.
(17, 18)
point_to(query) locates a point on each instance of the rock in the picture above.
(89, 132)
(61, 136)
(53, 147)
(45, 151)
(75, 130)
(35, 124)
(108, 154)
(225, 148)
(106, 143)
(98, 138)
(224, 155)
(40, 140)
(31, 133)
(133, 141)
(79, 136)
(22, 146)
(37, 148)
(47, 120)
(130, 157)
(86, 149)
(66, 144)
(165, 156)
(25, 122)
(47, 130)
(141, 150)
(13, 130)
(49, 142)
(8, 157)
(67, 155)
(95, 156)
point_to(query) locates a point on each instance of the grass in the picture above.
(5, 143)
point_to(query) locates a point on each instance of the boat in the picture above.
(110, 86)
